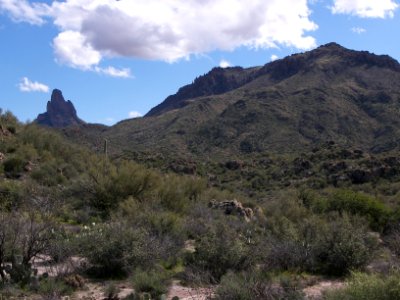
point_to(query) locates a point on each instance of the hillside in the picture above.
(290, 105)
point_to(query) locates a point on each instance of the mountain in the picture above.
(60, 113)
(217, 81)
(286, 106)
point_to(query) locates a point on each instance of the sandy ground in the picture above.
(188, 293)
(95, 291)
(315, 292)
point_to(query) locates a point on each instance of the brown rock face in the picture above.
(60, 113)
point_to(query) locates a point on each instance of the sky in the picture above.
(116, 59)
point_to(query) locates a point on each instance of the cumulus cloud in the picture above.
(169, 30)
(224, 63)
(358, 30)
(365, 8)
(26, 85)
(274, 57)
(72, 48)
(134, 114)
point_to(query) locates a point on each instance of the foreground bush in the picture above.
(331, 246)
(368, 287)
(117, 248)
(254, 285)
(218, 251)
(152, 282)
(354, 203)
(350, 202)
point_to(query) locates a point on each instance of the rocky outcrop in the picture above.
(233, 207)
(60, 113)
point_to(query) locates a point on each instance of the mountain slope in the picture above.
(290, 105)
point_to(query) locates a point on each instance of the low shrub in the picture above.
(218, 251)
(52, 288)
(152, 282)
(14, 167)
(331, 246)
(368, 287)
(255, 285)
(114, 249)
(355, 203)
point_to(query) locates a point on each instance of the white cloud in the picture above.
(114, 72)
(72, 48)
(23, 11)
(134, 114)
(224, 63)
(169, 30)
(274, 57)
(365, 8)
(27, 85)
(358, 30)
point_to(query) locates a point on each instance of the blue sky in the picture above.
(118, 59)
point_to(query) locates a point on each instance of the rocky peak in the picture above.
(60, 113)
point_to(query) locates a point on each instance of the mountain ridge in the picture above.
(287, 106)
(221, 80)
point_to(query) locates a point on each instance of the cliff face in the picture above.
(60, 113)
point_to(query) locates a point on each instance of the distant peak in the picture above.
(60, 113)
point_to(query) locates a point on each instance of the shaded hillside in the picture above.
(293, 104)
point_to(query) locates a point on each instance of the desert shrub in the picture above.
(368, 287)
(347, 201)
(11, 194)
(355, 203)
(175, 192)
(332, 246)
(109, 184)
(343, 246)
(255, 285)
(111, 292)
(221, 249)
(114, 249)
(14, 167)
(52, 288)
(48, 174)
(153, 282)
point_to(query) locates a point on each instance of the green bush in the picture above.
(153, 282)
(116, 248)
(332, 246)
(11, 194)
(354, 203)
(52, 288)
(343, 246)
(368, 287)
(48, 174)
(347, 201)
(255, 285)
(14, 167)
(218, 251)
